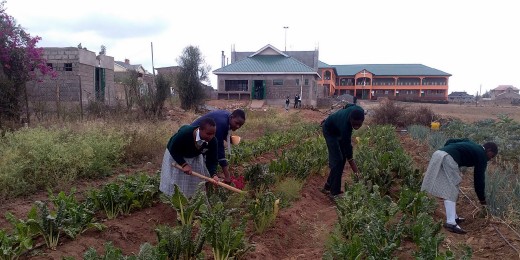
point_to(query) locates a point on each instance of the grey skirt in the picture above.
(188, 184)
(442, 178)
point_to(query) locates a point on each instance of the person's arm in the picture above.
(479, 179)
(227, 175)
(211, 157)
(353, 165)
(175, 147)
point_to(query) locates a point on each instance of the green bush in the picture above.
(37, 158)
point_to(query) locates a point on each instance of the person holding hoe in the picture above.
(442, 177)
(337, 131)
(186, 148)
(226, 122)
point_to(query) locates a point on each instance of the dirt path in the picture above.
(300, 231)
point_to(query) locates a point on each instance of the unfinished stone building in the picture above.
(81, 75)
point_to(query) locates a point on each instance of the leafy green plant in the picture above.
(258, 177)
(339, 248)
(414, 203)
(145, 188)
(80, 215)
(227, 240)
(180, 242)
(49, 224)
(186, 209)
(264, 211)
(418, 132)
(13, 245)
(108, 199)
(146, 252)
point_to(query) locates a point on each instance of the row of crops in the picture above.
(502, 181)
(384, 207)
(64, 215)
(220, 225)
(381, 209)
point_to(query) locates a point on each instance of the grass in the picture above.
(288, 190)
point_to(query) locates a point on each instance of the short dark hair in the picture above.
(239, 113)
(357, 115)
(206, 122)
(490, 146)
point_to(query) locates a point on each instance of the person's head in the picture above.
(356, 118)
(491, 150)
(207, 129)
(237, 119)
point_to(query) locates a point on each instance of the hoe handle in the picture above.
(196, 174)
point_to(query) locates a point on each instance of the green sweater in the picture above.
(469, 154)
(182, 144)
(338, 125)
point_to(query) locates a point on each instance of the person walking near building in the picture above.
(186, 148)
(287, 102)
(337, 131)
(442, 177)
(226, 122)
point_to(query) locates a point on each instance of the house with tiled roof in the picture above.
(412, 82)
(505, 92)
(460, 96)
(270, 75)
(123, 71)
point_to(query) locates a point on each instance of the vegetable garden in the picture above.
(283, 215)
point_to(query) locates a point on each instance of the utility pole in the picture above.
(153, 68)
(285, 28)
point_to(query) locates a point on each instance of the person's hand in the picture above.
(215, 179)
(484, 211)
(187, 169)
(227, 181)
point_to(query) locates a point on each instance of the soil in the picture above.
(300, 231)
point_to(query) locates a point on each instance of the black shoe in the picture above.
(454, 228)
(325, 190)
(335, 196)
(459, 220)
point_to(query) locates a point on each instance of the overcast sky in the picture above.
(475, 41)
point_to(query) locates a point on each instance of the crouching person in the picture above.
(442, 178)
(186, 148)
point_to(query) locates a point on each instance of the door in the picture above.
(258, 89)
(100, 84)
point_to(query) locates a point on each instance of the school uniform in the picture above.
(183, 147)
(337, 131)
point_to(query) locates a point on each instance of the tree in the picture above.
(20, 61)
(163, 92)
(193, 72)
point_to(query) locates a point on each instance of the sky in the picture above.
(476, 41)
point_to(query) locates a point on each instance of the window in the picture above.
(49, 65)
(67, 66)
(343, 82)
(306, 82)
(297, 82)
(327, 75)
(277, 82)
(235, 85)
